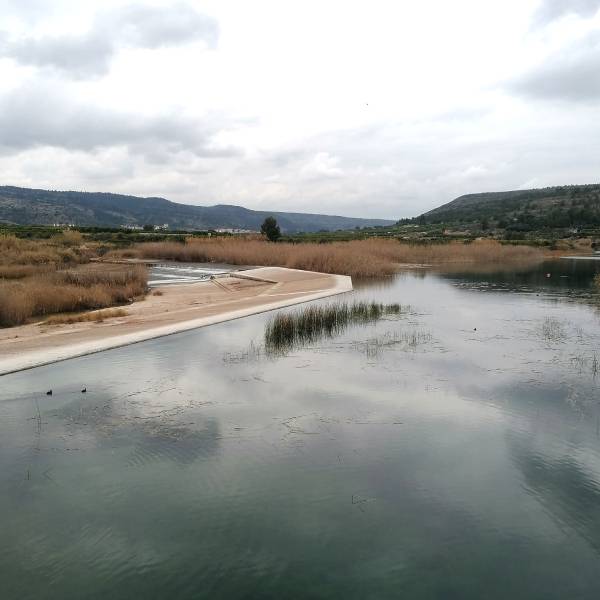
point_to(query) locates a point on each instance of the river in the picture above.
(449, 452)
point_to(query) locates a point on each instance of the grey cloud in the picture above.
(571, 75)
(79, 56)
(550, 10)
(33, 117)
(137, 26)
(148, 27)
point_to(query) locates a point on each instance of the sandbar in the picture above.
(165, 311)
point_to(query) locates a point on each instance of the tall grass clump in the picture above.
(286, 330)
(50, 276)
(20, 258)
(86, 288)
(357, 258)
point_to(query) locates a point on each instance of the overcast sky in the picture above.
(355, 107)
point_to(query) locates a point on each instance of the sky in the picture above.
(353, 107)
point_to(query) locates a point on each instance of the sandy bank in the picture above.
(179, 308)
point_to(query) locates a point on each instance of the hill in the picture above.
(24, 206)
(552, 207)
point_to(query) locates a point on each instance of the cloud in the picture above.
(25, 9)
(137, 26)
(322, 165)
(550, 10)
(573, 74)
(37, 116)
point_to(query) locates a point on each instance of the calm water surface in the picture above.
(453, 452)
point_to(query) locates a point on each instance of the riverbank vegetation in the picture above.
(70, 271)
(96, 316)
(42, 278)
(358, 258)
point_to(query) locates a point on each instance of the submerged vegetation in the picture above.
(55, 276)
(553, 330)
(409, 339)
(286, 330)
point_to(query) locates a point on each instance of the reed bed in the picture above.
(22, 258)
(357, 258)
(45, 277)
(86, 288)
(287, 330)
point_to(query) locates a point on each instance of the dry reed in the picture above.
(56, 252)
(358, 258)
(45, 277)
(97, 316)
(69, 291)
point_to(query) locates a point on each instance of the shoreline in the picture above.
(258, 291)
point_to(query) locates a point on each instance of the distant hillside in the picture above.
(561, 206)
(24, 206)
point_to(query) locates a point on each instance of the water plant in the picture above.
(553, 330)
(286, 330)
(409, 340)
(587, 363)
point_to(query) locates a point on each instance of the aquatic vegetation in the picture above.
(553, 330)
(587, 363)
(406, 339)
(286, 330)
(253, 353)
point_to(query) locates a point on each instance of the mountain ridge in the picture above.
(555, 206)
(31, 206)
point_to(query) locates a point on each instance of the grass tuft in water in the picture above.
(286, 330)
(587, 363)
(553, 330)
(410, 340)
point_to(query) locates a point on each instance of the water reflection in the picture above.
(562, 277)
(464, 465)
(567, 485)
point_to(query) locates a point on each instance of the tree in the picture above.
(270, 229)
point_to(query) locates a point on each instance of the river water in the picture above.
(450, 452)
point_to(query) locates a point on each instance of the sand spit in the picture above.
(173, 309)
